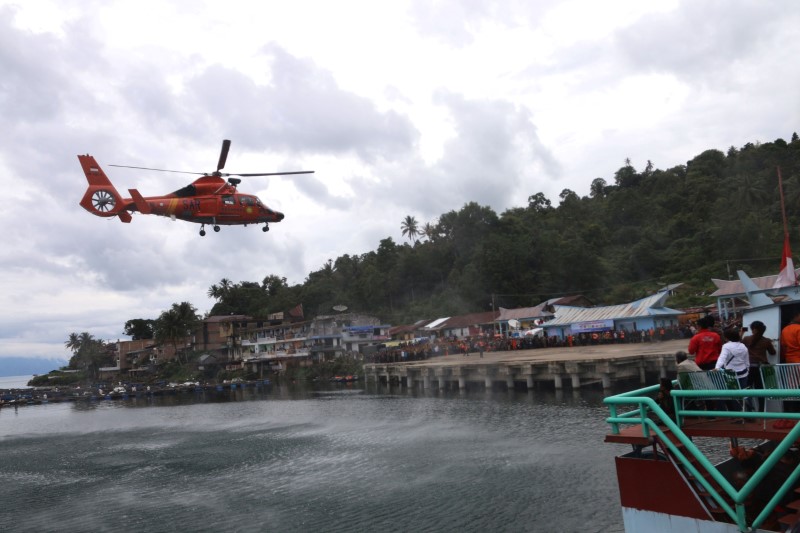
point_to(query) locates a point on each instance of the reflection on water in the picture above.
(295, 459)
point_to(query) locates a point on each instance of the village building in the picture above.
(407, 334)
(732, 296)
(646, 314)
(465, 326)
(530, 319)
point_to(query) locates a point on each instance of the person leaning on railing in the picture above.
(734, 356)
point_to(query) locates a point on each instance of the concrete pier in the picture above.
(561, 367)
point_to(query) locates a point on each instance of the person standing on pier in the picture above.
(705, 345)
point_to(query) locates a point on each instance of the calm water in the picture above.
(14, 382)
(297, 460)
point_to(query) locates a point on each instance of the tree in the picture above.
(598, 188)
(429, 231)
(272, 284)
(139, 328)
(539, 203)
(176, 324)
(88, 353)
(626, 176)
(568, 196)
(73, 343)
(219, 292)
(410, 229)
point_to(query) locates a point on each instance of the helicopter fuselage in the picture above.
(208, 200)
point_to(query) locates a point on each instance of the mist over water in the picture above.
(283, 459)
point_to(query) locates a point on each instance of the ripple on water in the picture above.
(338, 461)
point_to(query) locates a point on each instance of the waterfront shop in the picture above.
(645, 319)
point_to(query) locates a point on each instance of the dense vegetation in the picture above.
(687, 224)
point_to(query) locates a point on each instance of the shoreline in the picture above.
(16, 397)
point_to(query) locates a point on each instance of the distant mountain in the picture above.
(23, 366)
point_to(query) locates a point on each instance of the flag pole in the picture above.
(787, 276)
(783, 206)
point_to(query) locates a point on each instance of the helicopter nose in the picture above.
(279, 215)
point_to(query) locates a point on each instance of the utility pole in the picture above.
(494, 320)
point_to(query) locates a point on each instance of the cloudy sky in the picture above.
(402, 108)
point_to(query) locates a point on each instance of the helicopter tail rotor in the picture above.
(101, 197)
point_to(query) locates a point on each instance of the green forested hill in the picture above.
(635, 232)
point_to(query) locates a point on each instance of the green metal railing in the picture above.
(645, 405)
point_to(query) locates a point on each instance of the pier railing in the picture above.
(654, 420)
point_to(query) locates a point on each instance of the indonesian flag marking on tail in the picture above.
(787, 277)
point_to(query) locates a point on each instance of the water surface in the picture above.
(283, 459)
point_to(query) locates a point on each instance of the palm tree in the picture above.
(73, 343)
(748, 191)
(429, 231)
(87, 352)
(219, 292)
(409, 227)
(214, 292)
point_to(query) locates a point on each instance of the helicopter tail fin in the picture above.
(140, 202)
(101, 198)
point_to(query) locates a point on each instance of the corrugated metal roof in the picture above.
(228, 318)
(527, 313)
(524, 313)
(463, 321)
(436, 322)
(646, 307)
(733, 287)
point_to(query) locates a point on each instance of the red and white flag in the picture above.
(787, 277)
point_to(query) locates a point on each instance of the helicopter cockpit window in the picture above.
(189, 190)
(247, 200)
(228, 200)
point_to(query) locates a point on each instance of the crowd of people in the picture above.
(735, 347)
(740, 349)
(426, 349)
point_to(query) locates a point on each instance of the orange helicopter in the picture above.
(208, 200)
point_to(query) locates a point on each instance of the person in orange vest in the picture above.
(790, 341)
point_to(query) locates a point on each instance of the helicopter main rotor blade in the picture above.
(271, 173)
(161, 170)
(223, 155)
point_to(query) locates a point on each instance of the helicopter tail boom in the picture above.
(101, 197)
